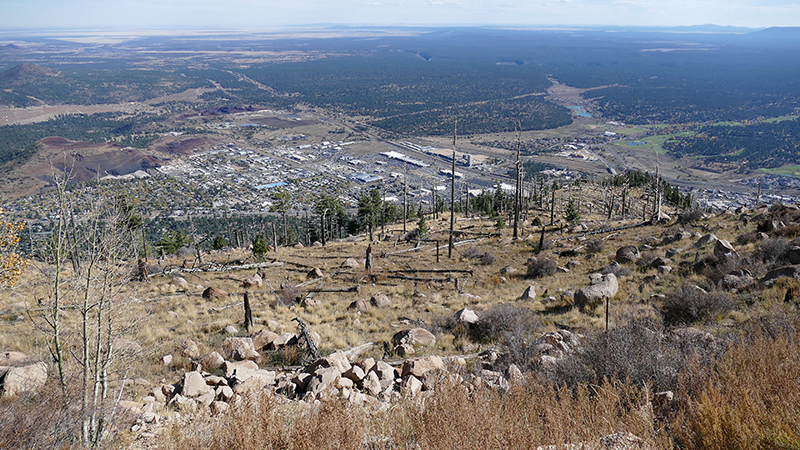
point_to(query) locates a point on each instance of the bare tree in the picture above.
(105, 242)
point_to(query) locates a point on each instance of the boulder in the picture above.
(380, 300)
(404, 350)
(322, 379)
(282, 341)
(230, 330)
(231, 368)
(385, 372)
(314, 274)
(219, 407)
(627, 254)
(263, 338)
(418, 367)
(214, 293)
(360, 305)
(356, 373)
(372, 384)
(350, 263)
(772, 276)
(658, 262)
(212, 361)
(337, 360)
(253, 282)
(794, 255)
(414, 336)
(251, 381)
(239, 349)
(705, 240)
(181, 283)
(194, 385)
(411, 386)
(528, 294)
(466, 316)
(724, 248)
(508, 270)
(12, 358)
(603, 286)
(736, 280)
(190, 349)
(19, 380)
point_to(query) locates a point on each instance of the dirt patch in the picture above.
(59, 143)
(85, 160)
(278, 122)
(183, 147)
(88, 160)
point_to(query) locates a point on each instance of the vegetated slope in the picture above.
(762, 145)
(18, 142)
(409, 94)
(30, 84)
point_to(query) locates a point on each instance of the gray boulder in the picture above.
(380, 300)
(603, 286)
(723, 249)
(239, 349)
(627, 254)
(19, 380)
(705, 240)
(466, 316)
(414, 336)
(772, 276)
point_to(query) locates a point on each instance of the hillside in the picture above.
(26, 73)
(693, 303)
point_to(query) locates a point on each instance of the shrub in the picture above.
(595, 246)
(541, 267)
(773, 250)
(488, 259)
(638, 353)
(690, 215)
(485, 257)
(648, 256)
(747, 238)
(689, 304)
(513, 327)
(790, 231)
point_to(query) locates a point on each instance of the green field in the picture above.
(652, 143)
(792, 171)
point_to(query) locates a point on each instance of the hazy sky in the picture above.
(266, 13)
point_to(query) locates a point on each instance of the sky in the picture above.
(165, 14)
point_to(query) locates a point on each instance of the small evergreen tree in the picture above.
(571, 214)
(422, 228)
(259, 246)
(219, 243)
(500, 224)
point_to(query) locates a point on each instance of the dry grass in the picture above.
(165, 316)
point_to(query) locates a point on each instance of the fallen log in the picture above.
(403, 277)
(469, 271)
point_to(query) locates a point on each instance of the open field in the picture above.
(793, 171)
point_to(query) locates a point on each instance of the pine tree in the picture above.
(571, 214)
